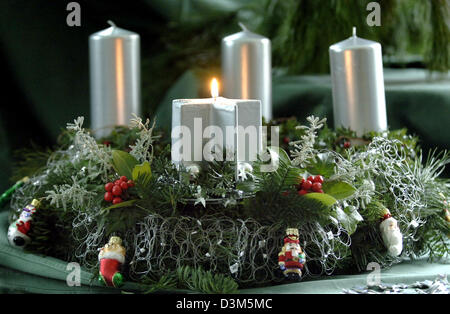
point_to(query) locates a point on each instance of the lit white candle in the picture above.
(217, 124)
(358, 87)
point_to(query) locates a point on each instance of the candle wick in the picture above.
(243, 27)
(354, 31)
(111, 23)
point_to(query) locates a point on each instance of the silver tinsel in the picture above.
(439, 285)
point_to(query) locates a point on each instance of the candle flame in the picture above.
(214, 88)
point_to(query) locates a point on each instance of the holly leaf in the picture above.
(142, 174)
(119, 205)
(338, 189)
(123, 163)
(325, 199)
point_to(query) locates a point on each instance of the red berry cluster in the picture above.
(311, 184)
(117, 191)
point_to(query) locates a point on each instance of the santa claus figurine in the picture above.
(111, 258)
(390, 232)
(291, 259)
(18, 231)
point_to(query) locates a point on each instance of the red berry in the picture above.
(117, 200)
(130, 183)
(347, 145)
(307, 185)
(117, 190)
(311, 178)
(286, 140)
(123, 178)
(108, 196)
(302, 192)
(109, 186)
(316, 187)
(124, 186)
(117, 182)
(320, 191)
(318, 178)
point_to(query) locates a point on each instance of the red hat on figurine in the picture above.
(291, 236)
(290, 240)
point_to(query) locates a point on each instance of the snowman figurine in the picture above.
(18, 231)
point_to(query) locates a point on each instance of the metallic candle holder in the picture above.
(358, 86)
(114, 55)
(246, 68)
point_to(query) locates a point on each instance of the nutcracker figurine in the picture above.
(111, 258)
(291, 259)
(18, 231)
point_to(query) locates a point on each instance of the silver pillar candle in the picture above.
(358, 87)
(246, 68)
(114, 55)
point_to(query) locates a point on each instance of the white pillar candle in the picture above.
(247, 68)
(358, 87)
(115, 78)
(198, 124)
